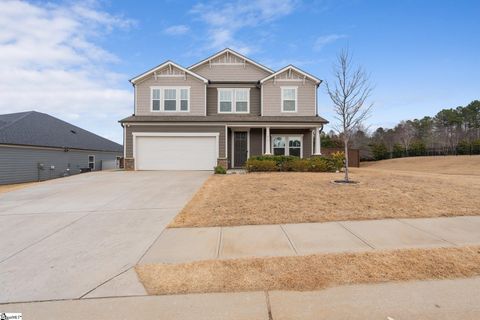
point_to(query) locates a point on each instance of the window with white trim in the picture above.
(289, 99)
(170, 99)
(156, 99)
(184, 99)
(287, 145)
(233, 100)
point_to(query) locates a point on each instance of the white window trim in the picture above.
(91, 155)
(296, 99)
(287, 139)
(162, 98)
(234, 102)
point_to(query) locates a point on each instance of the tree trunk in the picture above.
(345, 142)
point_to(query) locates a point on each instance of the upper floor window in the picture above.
(170, 99)
(233, 100)
(289, 99)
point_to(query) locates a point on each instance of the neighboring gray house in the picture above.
(221, 110)
(35, 146)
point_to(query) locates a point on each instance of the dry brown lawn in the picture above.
(400, 188)
(10, 187)
(303, 273)
(454, 165)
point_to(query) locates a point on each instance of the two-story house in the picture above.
(220, 111)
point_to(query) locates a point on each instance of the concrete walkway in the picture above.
(191, 244)
(434, 300)
(80, 236)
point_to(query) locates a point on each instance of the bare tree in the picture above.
(349, 93)
(406, 133)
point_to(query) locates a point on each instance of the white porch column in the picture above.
(318, 151)
(267, 141)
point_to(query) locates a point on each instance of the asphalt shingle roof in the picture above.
(39, 129)
(227, 118)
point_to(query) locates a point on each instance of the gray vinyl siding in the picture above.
(197, 95)
(20, 164)
(226, 72)
(255, 142)
(173, 128)
(272, 98)
(212, 99)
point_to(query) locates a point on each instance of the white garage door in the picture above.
(175, 152)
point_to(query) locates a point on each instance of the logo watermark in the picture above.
(10, 316)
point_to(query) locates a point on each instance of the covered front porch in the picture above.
(244, 142)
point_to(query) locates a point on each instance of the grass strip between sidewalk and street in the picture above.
(312, 272)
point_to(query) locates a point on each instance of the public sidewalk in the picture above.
(435, 300)
(177, 245)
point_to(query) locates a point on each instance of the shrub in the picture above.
(398, 150)
(338, 159)
(257, 165)
(220, 170)
(283, 163)
(299, 165)
(318, 164)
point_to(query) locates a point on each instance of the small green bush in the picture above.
(255, 165)
(318, 164)
(220, 170)
(299, 165)
(338, 159)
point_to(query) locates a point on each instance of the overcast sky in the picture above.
(73, 59)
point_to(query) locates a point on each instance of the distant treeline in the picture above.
(453, 131)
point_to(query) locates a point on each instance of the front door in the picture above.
(240, 148)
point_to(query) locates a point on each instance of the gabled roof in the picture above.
(292, 67)
(166, 63)
(38, 129)
(230, 51)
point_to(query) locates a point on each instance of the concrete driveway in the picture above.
(64, 238)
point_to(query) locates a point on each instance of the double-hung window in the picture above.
(170, 99)
(225, 100)
(289, 99)
(233, 100)
(156, 99)
(184, 99)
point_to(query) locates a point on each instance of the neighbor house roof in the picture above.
(227, 118)
(292, 67)
(166, 63)
(42, 130)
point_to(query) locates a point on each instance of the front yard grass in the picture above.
(400, 188)
(313, 272)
